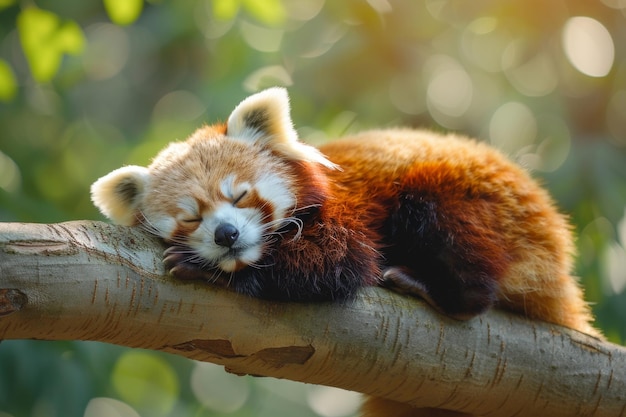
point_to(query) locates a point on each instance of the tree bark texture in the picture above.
(94, 281)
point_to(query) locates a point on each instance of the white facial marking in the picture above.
(189, 209)
(231, 190)
(273, 188)
(163, 224)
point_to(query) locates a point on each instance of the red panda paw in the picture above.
(399, 279)
(458, 300)
(177, 263)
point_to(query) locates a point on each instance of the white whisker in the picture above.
(298, 209)
(148, 226)
(230, 279)
(281, 224)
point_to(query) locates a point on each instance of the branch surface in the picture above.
(94, 281)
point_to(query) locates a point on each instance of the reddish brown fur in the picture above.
(492, 207)
(311, 185)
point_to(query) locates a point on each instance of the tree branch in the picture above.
(94, 281)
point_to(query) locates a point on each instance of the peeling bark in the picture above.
(94, 281)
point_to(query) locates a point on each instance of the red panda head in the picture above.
(228, 191)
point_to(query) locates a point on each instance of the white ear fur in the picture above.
(118, 194)
(264, 117)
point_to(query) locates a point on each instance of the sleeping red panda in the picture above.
(248, 206)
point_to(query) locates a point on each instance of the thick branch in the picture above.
(93, 281)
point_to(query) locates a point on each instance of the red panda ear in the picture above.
(118, 194)
(264, 118)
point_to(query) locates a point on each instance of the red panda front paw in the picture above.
(176, 261)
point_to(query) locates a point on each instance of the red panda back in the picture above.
(497, 215)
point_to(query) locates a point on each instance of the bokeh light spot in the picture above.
(303, 10)
(381, 6)
(614, 262)
(449, 91)
(532, 76)
(333, 402)
(483, 44)
(273, 75)
(436, 7)
(322, 42)
(10, 176)
(588, 46)
(8, 82)
(483, 25)
(210, 25)
(261, 38)
(555, 146)
(108, 407)
(218, 390)
(621, 229)
(512, 127)
(596, 231)
(146, 381)
(179, 105)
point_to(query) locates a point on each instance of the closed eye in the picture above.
(240, 197)
(192, 220)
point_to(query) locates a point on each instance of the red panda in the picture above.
(248, 206)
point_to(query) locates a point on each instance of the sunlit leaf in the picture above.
(70, 38)
(6, 3)
(45, 39)
(8, 84)
(270, 12)
(225, 9)
(36, 27)
(146, 382)
(10, 175)
(123, 12)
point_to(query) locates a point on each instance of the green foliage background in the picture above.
(87, 86)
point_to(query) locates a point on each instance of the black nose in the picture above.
(226, 234)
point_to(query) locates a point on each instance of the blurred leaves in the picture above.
(269, 12)
(6, 3)
(146, 381)
(45, 39)
(123, 12)
(226, 9)
(8, 83)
